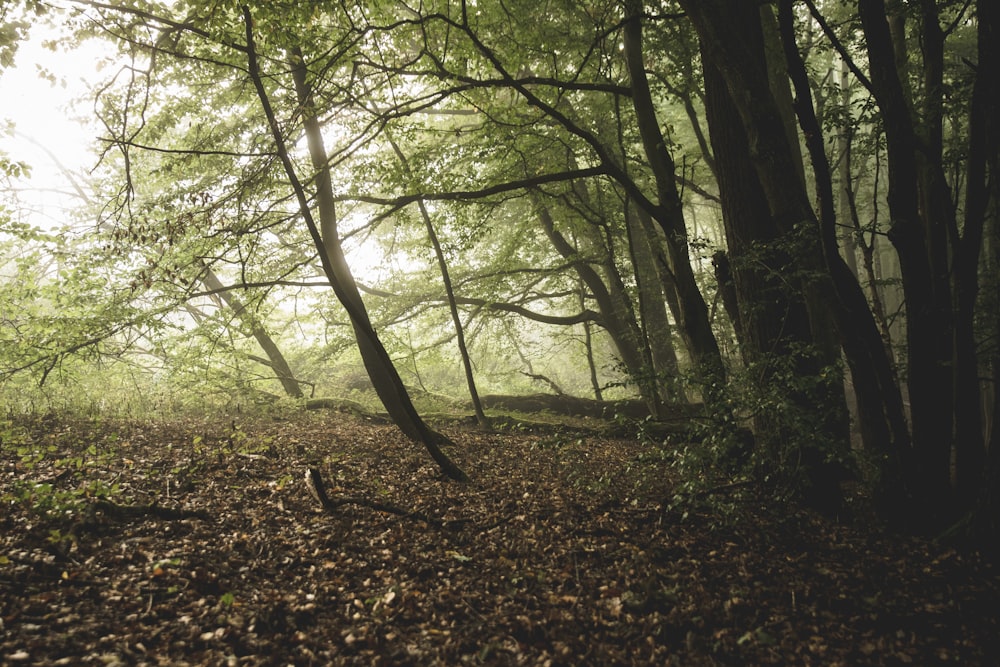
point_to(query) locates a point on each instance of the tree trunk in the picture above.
(846, 207)
(986, 513)
(776, 325)
(982, 203)
(692, 312)
(880, 407)
(616, 317)
(771, 316)
(656, 325)
(277, 360)
(388, 385)
(727, 47)
(652, 388)
(928, 309)
(470, 377)
(588, 344)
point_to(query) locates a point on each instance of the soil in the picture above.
(198, 543)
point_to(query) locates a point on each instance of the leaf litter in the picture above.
(192, 543)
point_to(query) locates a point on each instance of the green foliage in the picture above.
(779, 429)
(70, 464)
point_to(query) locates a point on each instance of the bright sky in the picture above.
(55, 121)
(43, 112)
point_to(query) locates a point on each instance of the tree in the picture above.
(381, 370)
(206, 44)
(477, 404)
(550, 163)
(275, 359)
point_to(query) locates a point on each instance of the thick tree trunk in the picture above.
(982, 205)
(986, 512)
(724, 38)
(771, 316)
(388, 385)
(928, 308)
(775, 319)
(692, 311)
(981, 175)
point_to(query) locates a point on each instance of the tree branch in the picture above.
(458, 195)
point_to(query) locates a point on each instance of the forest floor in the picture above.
(190, 543)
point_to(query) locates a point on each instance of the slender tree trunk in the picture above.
(470, 377)
(868, 256)
(727, 292)
(588, 343)
(388, 385)
(657, 329)
(644, 306)
(849, 245)
(277, 360)
(661, 265)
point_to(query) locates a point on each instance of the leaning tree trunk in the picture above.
(388, 385)
(616, 317)
(274, 356)
(626, 329)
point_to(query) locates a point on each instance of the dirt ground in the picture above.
(196, 543)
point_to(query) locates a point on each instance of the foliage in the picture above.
(801, 452)
(77, 468)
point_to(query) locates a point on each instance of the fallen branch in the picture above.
(316, 486)
(116, 511)
(113, 511)
(723, 488)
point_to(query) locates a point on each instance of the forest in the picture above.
(445, 332)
